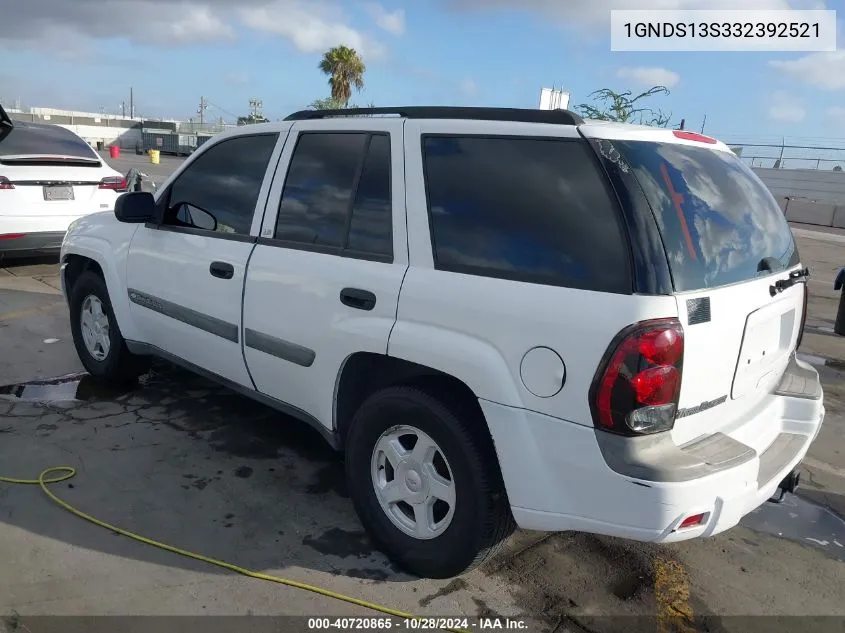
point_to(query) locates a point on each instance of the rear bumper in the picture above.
(47, 242)
(558, 478)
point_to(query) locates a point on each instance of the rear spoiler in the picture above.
(6, 124)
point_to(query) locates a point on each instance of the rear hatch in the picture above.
(46, 170)
(728, 245)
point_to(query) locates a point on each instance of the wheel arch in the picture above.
(364, 373)
(86, 256)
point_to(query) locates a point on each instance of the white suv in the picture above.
(500, 316)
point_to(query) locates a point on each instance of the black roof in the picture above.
(522, 115)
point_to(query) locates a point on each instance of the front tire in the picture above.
(96, 334)
(425, 482)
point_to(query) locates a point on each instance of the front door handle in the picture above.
(358, 299)
(221, 270)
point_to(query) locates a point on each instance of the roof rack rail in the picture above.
(521, 115)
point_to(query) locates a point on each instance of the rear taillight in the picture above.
(803, 316)
(115, 183)
(637, 386)
(5, 183)
(11, 236)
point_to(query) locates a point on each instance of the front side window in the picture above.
(337, 193)
(535, 210)
(219, 190)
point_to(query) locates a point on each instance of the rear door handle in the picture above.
(358, 299)
(221, 270)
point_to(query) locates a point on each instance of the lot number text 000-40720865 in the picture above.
(416, 624)
(723, 30)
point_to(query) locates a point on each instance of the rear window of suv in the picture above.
(27, 139)
(717, 219)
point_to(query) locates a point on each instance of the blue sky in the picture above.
(86, 54)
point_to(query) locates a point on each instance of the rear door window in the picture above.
(719, 223)
(337, 195)
(30, 139)
(527, 209)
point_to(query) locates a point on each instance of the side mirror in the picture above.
(196, 217)
(135, 207)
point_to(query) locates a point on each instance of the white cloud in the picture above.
(391, 21)
(468, 87)
(822, 70)
(837, 115)
(311, 27)
(650, 76)
(236, 78)
(786, 108)
(597, 12)
(69, 26)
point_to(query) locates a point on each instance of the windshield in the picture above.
(34, 139)
(718, 221)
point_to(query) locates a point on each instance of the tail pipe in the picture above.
(789, 484)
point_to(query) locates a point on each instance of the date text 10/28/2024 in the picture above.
(417, 624)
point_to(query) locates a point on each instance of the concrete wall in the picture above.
(809, 212)
(91, 127)
(810, 184)
(107, 135)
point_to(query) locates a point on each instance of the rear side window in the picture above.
(29, 139)
(535, 210)
(337, 194)
(717, 219)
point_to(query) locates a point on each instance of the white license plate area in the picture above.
(765, 345)
(58, 192)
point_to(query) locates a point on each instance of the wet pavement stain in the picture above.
(551, 576)
(331, 478)
(483, 610)
(341, 543)
(172, 397)
(458, 584)
(73, 387)
(627, 587)
(367, 574)
(802, 521)
(244, 472)
(200, 484)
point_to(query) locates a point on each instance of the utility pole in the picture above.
(703, 123)
(255, 105)
(131, 103)
(202, 108)
(123, 108)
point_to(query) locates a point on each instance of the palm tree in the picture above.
(345, 69)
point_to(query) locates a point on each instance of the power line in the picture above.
(217, 107)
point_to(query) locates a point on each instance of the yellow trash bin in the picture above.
(155, 156)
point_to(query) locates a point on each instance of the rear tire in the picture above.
(96, 334)
(418, 532)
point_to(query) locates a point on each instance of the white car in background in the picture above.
(49, 177)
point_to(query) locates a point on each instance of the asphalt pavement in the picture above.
(187, 462)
